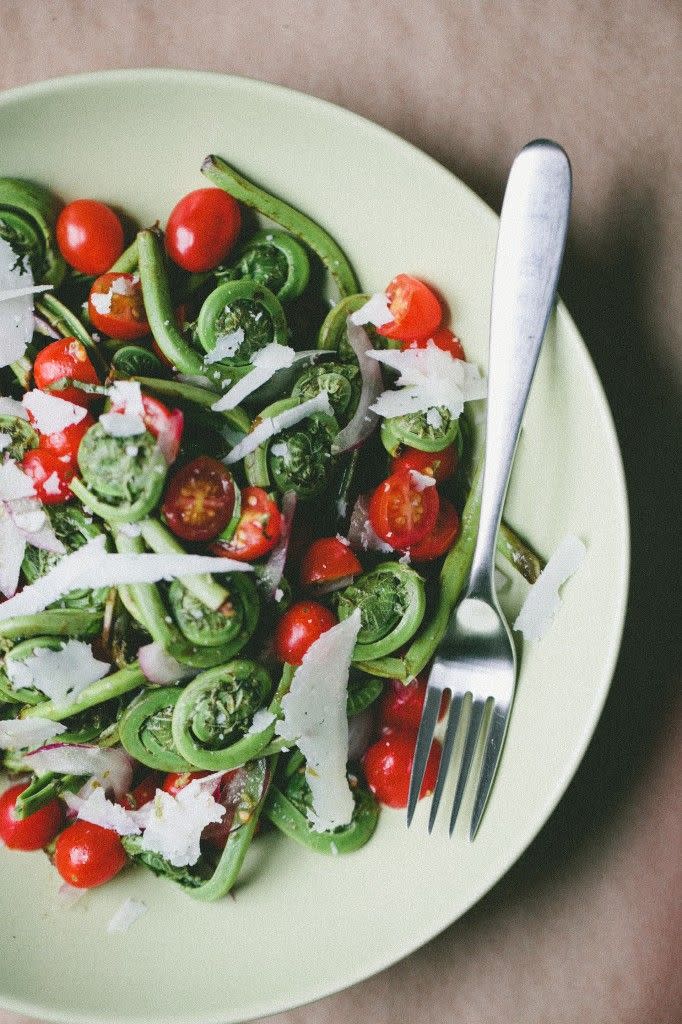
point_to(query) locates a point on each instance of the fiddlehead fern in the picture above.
(229, 626)
(245, 312)
(273, 259)
(420, 430)
(341, 381)
(28, 214)
(20, 652)
(135, 361)
(334, 330)
(145, 730)
(22, 436)
(74, 530)
(392, 603)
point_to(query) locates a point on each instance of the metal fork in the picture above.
(477, 655)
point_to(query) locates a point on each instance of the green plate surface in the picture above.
(302, 926)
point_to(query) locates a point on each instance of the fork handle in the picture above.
(530, 247)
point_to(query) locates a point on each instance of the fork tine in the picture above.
(423, 747)
(493, 750)
(454, 715)
(467, 757)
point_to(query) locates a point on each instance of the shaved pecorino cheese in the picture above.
(266, 362)
(276, 424)
(50, 414)
(543, 600)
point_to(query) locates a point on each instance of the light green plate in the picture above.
(302, 926)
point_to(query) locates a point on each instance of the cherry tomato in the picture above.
(439, 465)
(89, 236)
(326, 560)
(443, 339)
(156, 416)
(402, 514)
(65, 443)
(388, 764)
(116, 308)
(258, 530)
(50, 475)
(441, 538)
(403, 703)
(143, 792)
(30, 833)
(299, 627)
(216, 833)
(202, 229)
(65, 358)
(199, 500)
(416, 310)
(87, 855)
(175, 781)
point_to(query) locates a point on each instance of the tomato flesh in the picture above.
(441, 538)
(116, 307)
(403, 703)
(142, 794)
(443, 339)
(216, 833)
(258, 530)
(202, 229)
(33, 832)
(300, 626)
(66, 357)
(439, 465)
(199, 500)
(326, 560)
(415, 308)
(402, 514)
(87, 855)
(50, 475)
(388, 763)
(65, 443)
(89, 236)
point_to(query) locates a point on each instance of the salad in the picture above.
(235, 517)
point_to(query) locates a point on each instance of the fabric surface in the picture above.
(587, 927)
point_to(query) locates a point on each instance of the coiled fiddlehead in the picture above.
(415, 430)
(28, 214)
(214, 713)
(23, 437)
(122, 478)
(135, 361)
(273, 259)
(299, 459)
(392, 603)
(146, 733)
(341, 381)
(241, 306)
(20, 652)
(74, 530)
(230, 626)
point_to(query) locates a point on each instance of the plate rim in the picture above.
(506, 859)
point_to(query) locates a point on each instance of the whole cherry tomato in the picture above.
(388, 764)
(65, 443)
(33, 832)
(442, 537)
(443, 339)
(258, 530)
(143, 792)
(66, 357)
(116, 307)
(199, 499)
(439, 465)
(415, 309)
(403, 703)
(300, 626)
(50, 475)
(401, 512)
(87, 855)
(89, 236)
(202, 229)
(326, 560)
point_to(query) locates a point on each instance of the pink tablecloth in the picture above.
(587, 927)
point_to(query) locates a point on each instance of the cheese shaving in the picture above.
(11, 407)
(126, 397)
(14, 483)
(50, 414)
(226, 346)
(315, 719)
(16, 314)
(173, 824)
(268, 428)
(375, 311)
(27, 733)
(266, 362)
(421, 480)
(19, 293)
(126, 915)
(542, 600)
(261, 720)
(61, 675)
(98, 810)
(121, 424)
(12, 549)
(5, 440)
(429, 378)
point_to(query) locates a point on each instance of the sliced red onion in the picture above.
(41, 326)
(364, 420)
(361, 535)
(273, 570)
(110, 767)
(361, 730)
(161, 667)
(331, 585)
(170, 436)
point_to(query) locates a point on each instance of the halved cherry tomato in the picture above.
(65, 358)
(441, 538)
(416, 310)
(216, 833)
(258, 530)
(87, 855)
(439, 465)
(402, 514)
(65, 443)
(403, 703)
(199, 500)
(89, 236)
(143, 792)
(33, 832)
(156, 416)
(50, 475)
(388, 764)
(328, 559)
(175, 781)
(443, 339)
(116, 307)
(202, 229)
(300, 627)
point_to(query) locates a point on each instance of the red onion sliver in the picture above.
(273, 570)
(161, 667)
(361, 535)
(171, 435)
(364, 420)
(331, 585)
